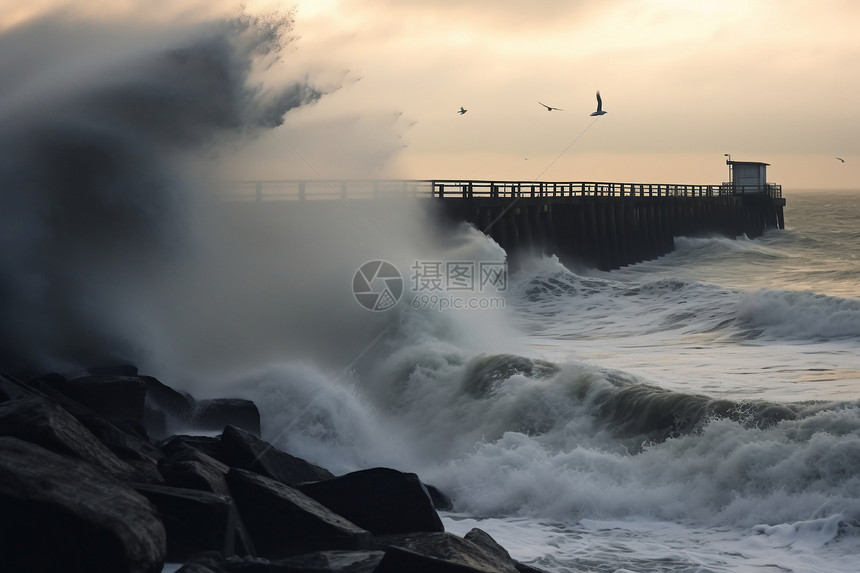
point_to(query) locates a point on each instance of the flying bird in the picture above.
(548, 108)
(599, 105)
(462, 110)
(840, 159)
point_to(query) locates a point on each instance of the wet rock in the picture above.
(209, 562)
(486, 542)
(190, 468)
(381, 500)
(483, 540)
(334, 562)
(241, 449)
(197, 521)
(165, 410)
(283, 521)
(209, 445)
(42, 422)
(337, 561)
(12, 389)
(440, 501)
(439, 552)
(218, 413)
(136, 451)
(61, 514)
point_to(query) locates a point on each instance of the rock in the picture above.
(61, 514)
(134, 450)
(209, 445)
(42, 422)
(190, 468)
(283, 521)
(12, 389)
(240, 449)
(165, 410)
(523, 568)
(200, 568)
(197, 521)
(204, 564)
(486, 542)
(381, 500)
(116, 398)
(438, 552)
(440, 501)
(221, 412)
(336, 561)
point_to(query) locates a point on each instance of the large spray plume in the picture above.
(113, 248)
(100, 128)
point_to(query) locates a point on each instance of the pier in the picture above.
(608, 225)
(600, 224)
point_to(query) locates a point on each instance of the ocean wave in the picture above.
(799, 315)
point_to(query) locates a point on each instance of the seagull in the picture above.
(548, 108)
(599, 105)
(462, 110)
(840, 159)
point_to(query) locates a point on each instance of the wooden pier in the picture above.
(600, 224)
(608, 225)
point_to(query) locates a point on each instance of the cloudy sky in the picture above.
(683, 82)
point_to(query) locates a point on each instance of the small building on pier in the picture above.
(748, 177)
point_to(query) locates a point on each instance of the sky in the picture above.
(683, 83)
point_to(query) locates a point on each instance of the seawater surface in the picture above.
(698, 412)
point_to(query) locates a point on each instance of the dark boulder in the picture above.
(486, 542)
(209, 445)
(42, 422)
(197, 521)
(12, 388)
(61, 514)
(283, 521)
(381, 500)
(206, 562)
(439, 553)
(332, 562)
(136, 451)
(218, 413)
(168, 411)
(165, 410)
(440, 501)
(190, 468)
(241, 449)
(336, 561)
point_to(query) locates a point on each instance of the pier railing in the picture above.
(593, 189)
(441, 188)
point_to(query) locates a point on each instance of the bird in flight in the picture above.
(599, 106)
(462, 110)
(840, 159)
(548, 108)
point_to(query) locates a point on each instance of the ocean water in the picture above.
(698, 412)
(709, 420)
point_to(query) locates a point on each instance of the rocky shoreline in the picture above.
(91, 479)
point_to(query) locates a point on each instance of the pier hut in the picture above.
(748, 177)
